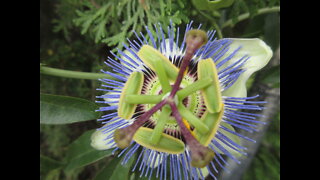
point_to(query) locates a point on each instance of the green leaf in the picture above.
(115, 170)
(56, 109)
(272, 30)
(53, 174)
(272, 76)
(47, 164)
(80, 146)
(122, 171)
(100, 31)
(80, 153)
(107, 171)
(87, 158)
(254, 27)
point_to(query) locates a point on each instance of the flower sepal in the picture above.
(166, 143)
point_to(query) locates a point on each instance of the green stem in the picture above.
(163, 118)
(73, 74)
(200, 84)
(213, 21)
(163, 78)
(244, 16)
(143, 99)
(192, 119)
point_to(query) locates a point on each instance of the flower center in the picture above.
(139, 130)
(194, 102)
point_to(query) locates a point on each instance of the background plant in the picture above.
(76, 37)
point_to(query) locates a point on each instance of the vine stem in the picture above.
(73, 74)
(244, 16)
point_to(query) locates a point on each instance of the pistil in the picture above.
(123, 136)
(200, 154)
(194, 40)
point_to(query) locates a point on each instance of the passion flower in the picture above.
(178, 104)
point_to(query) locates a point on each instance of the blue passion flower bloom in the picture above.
(178, 101)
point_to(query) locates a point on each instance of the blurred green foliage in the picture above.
(266, 164)
(78, 35)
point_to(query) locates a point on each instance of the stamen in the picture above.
(212, 93)
(196, 122)
(123, 137)
(200, 155)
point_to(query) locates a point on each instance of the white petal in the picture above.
(99, 142)
(111, 99)
(260, 54)
(175, 49)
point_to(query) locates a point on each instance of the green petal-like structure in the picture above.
(150, 56)
(133, 86)
(212, 120)
(212, 93)
(166, 143)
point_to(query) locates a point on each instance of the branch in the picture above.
(73, 74)
(247, 15)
